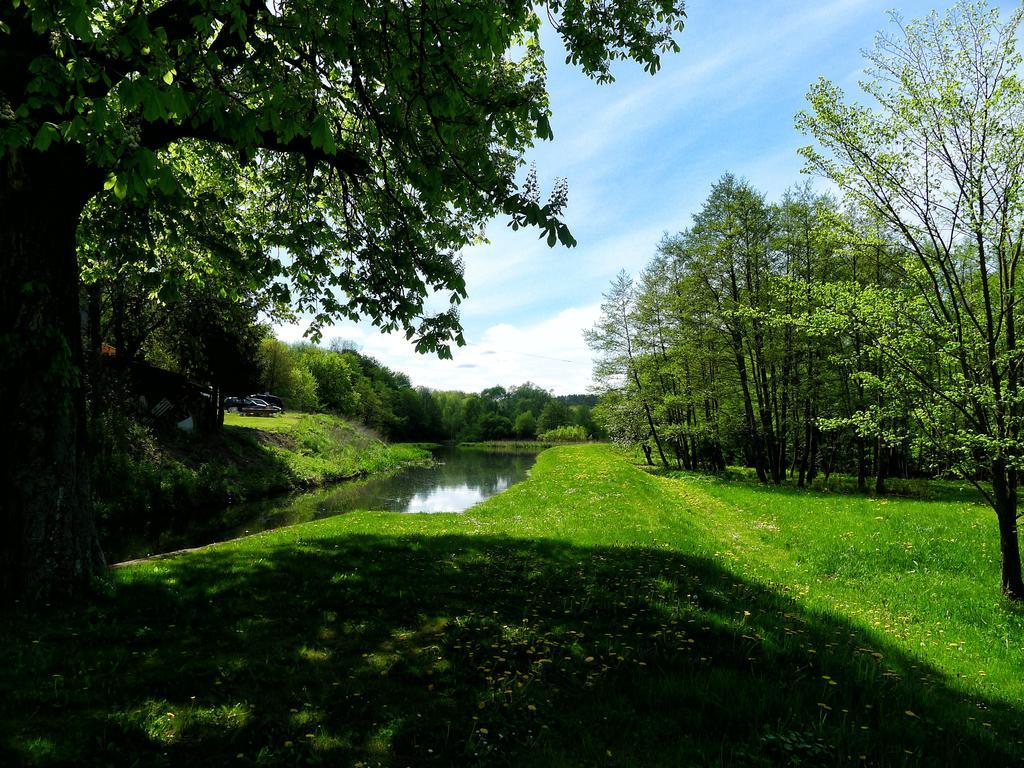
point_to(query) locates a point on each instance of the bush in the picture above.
(526, 426)
(566, 434)
(495, 427)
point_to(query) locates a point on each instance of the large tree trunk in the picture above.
(49, 545)
(647, 454)
(654, 434)
(812, 453)
(1004, 486)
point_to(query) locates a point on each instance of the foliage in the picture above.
(335, 379)
(357, 385)
(285, 374)
(937, 162)
(161, 490)
(146, 263)
(437, 102)
(554, 414)
(879, 337)
(525, 426)
(565, 434)
(615, 597)
(369, 144)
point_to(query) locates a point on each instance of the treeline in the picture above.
(213, 331)
(752, 338)
(341, 380)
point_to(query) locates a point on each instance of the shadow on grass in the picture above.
(190, 498)
(449, 650)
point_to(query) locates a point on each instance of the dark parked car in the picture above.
(269, 399)
(254, 406)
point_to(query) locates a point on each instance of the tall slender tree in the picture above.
(940, 159)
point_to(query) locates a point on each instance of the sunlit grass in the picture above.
(591, 615)
(282, 422)
(925, 573)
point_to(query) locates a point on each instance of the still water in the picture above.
(456, 481)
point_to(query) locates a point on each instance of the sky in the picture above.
(640, 156)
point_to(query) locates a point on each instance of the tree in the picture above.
(940, 160)
(277, 369)
(215, 340)
(730, 265)
(388, 132)
(625, 422)
(525, 426)
(554, 414)
(335, 379)
(283, 373)
(527, 397)
(301, 394)
(139, 259)
(494, 426)
(618, 364)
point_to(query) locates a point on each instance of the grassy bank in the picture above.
(166, 485)
(507, 446)
(311, 449)
(592, 615)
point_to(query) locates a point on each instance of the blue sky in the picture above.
(640, 156)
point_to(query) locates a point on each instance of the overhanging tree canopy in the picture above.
(389, 132)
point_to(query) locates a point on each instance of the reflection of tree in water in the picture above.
(488, 473)
(464, 477)
(457, 480)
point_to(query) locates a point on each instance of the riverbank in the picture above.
(594, 614)
(170, 484)
(506, 446)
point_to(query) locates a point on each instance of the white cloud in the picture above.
(550, 352)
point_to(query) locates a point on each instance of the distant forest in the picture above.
(217, 336)
(343, 381)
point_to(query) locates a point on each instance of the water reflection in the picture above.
(458, 480)
(455, 482)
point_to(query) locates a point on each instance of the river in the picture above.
(456, 480)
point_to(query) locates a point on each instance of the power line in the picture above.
(529, 354)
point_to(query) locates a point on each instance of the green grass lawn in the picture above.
(592, 615)
(282, 422)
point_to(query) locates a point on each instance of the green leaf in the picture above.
(321, 136)
(45, 136)
(544, 128)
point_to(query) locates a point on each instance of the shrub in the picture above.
(565, 434)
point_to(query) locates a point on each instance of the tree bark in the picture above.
(754, 439)
(884, 453)
(49, 545)
(654, 434)
(647, 454)
(1004, 488)
(862, 464)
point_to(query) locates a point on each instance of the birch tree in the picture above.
(937, 155)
